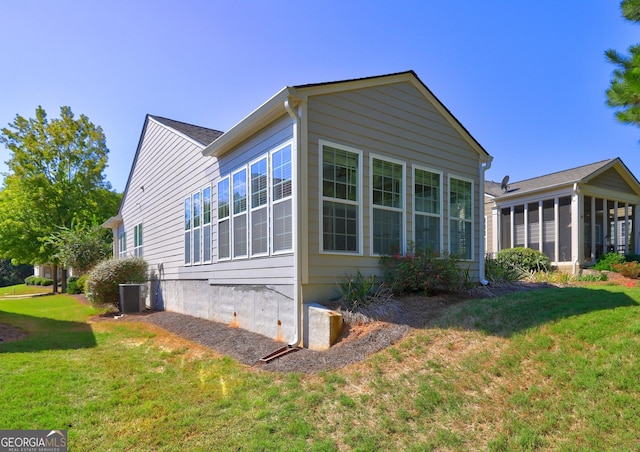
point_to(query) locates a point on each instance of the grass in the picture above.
(548, 369)
(23, 289)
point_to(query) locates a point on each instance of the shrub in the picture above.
(628, 269)
(632, 257)
(29, 280)
(523, 260)
(358, 291)
(423, 272)
(102, 283)
(72, 285)
(501, 271)
(81, 283)
(607, 261)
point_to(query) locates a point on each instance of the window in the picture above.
(137, 240)
(206, 224)
(340, 199)
(427, 202)
(239, 238)
(282, 213)
(187, 231)
(259, 208)
(387, 180)
(122, 243)
(460, 218)
(196, 219)
(224, 222)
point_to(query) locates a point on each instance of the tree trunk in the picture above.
(64, 279)
(54, 276)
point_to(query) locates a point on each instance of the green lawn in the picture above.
(23, 289)
(554, 369)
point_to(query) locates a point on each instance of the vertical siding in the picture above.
(395, 121)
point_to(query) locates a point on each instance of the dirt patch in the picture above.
(9, 333)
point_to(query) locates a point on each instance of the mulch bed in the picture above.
(357, 342)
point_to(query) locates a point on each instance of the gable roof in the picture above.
(275, 108)
(560, 178)
(204, 136)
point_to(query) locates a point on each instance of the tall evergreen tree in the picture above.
(56, 176)
(624, 91)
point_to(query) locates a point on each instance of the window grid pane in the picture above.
(260, 231)
(427, 232)
(240, 192)
(282, 232)
(387, 231)
(223, 199)
(206, 205)
(281, 180)
(387, 184)
(259, 189)
(340, 228)
(427, 192)
(339, 174)
(223, 240)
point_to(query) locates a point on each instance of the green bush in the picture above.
(358, 291)
(607, 261)
(628, 269)
(423, 272)
(29, 280)
(501, 271)
(632, 257)
(81, 283)
(523, 260)
(102, 285)
(72, 285)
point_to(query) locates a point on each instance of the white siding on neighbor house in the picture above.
(394, 121)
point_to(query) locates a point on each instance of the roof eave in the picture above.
(266, 113)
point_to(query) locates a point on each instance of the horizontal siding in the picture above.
(393, 121)
(612, 180)
(171, 168)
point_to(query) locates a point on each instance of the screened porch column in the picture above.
(594, 231)
(540, 229)
(512, 227)
(605, 226)
(577, 228)
(634, 229)
(556, 228)
(526, 225)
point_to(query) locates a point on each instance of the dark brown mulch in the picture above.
(356, 343)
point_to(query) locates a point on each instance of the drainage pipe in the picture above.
(290, 107)
(484, 166)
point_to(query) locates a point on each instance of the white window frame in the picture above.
(235, 216)
(207, 243)
(252, 209)
(452, 218)
(138, 240)
(187, 230)
(440, 215)
(227, 218)
(275, 202)
(122, 242)
(403, 200)
(358, 203)
(196, 229)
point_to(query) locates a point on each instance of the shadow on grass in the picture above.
(521, 310)
(46, 334)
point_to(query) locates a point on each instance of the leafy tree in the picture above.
(56, 177)
(13, 274)
(81, 247)
(624, 90)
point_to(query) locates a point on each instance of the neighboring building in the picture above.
(572, 216)
(246, 226)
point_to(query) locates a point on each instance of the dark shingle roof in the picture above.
(202, 135)
(569, 176)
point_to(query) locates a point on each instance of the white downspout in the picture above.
(482, 170)
(297, 311)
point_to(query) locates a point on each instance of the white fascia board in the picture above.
(256, 120)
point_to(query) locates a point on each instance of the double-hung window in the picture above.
(427, 209)
(206, 225)
(341, 169)
(224, 220)
(387, 199)
(137, 240)
(259, 208)
(239, 233)
(196, 219)
(282, 193)
(460, 218)
(187, 231)
(122, 243)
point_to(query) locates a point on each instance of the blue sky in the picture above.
(527, 79)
